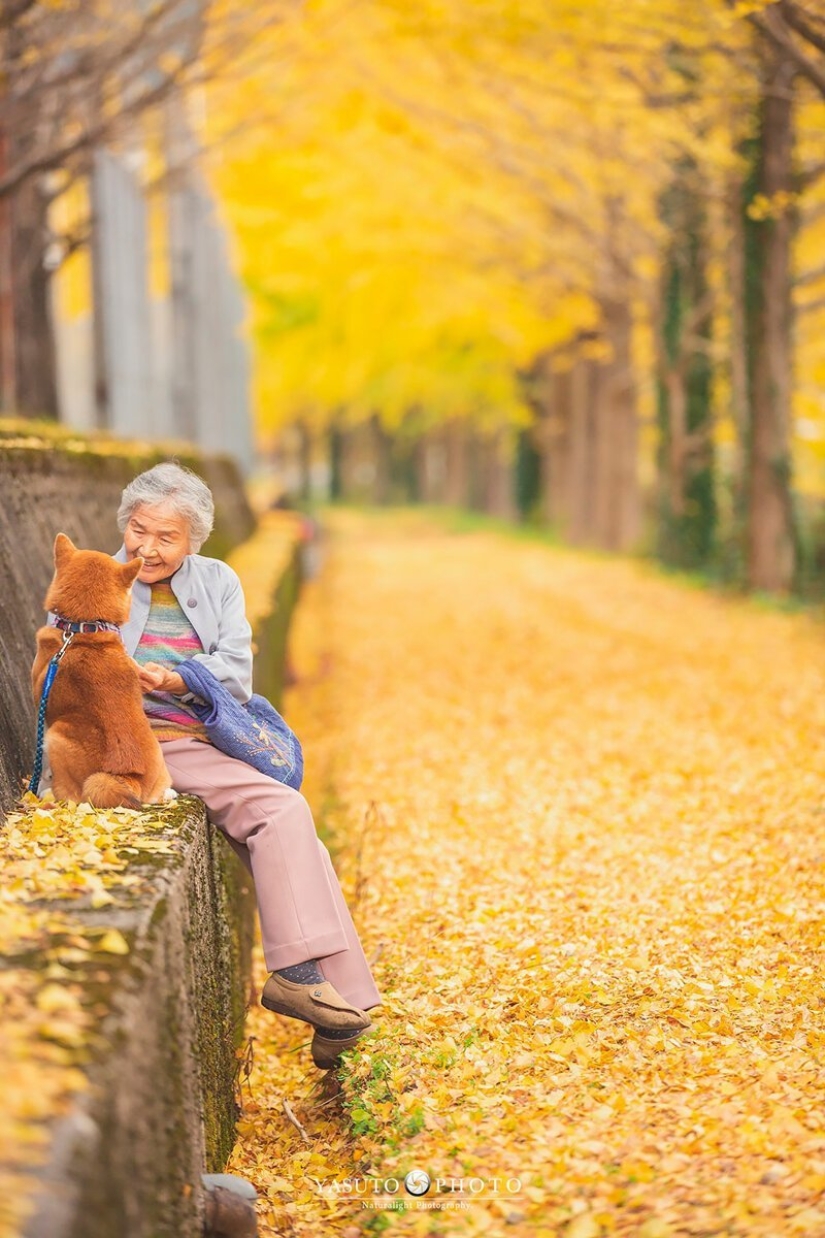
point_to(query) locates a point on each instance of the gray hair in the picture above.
(183, 489)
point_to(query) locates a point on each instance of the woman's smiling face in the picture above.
(159, 534)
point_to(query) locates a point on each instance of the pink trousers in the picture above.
(300, 904)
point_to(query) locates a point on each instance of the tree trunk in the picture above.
(34, 345)
(381, 450)
(431, 467)
(357, 465)
(587, 436)
(8, 362)
(404, 463)
(675, 396)
(527, 469)
(476, 456)
(770, 542)
(336, 451)
(738, 346)
(556, 449)
(304, 436)
(499, 499)
(457, 479)
(548, 395)
(581, 463)
(616, 496)
(687, 502)
(547, 389)
(602, 498)
(27, 345)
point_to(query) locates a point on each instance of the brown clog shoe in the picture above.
(318, 1004)
(326, 1053)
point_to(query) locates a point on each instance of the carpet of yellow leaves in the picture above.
(579, 817)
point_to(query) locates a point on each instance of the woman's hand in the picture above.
(156, 678)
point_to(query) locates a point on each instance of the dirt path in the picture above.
(580, 814)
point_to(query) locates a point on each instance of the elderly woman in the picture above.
(187, 606)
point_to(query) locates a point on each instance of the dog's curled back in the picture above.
(99, 742)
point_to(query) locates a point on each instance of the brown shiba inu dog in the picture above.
(100, 746)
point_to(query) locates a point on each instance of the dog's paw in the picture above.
(170, 795)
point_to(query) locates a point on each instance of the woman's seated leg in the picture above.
(301, 907)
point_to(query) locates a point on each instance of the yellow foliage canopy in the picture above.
(427, 197)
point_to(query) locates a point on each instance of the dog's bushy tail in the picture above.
(112, 791)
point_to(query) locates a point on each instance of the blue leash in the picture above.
(51, 671)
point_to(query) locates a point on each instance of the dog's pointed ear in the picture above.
(64, 548)
(130, 571)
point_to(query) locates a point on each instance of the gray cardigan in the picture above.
(212, 600)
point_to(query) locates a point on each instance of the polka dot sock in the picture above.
(302, 973)
(310, 973)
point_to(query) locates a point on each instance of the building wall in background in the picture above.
(149, 317)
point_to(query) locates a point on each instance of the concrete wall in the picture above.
(126, 1160)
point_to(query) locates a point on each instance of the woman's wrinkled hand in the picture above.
(156, 678)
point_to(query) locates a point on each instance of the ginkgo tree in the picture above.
(491, 214)
(451, 235)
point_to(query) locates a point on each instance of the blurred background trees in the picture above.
(562, 262)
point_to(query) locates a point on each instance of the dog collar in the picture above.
(84, 625)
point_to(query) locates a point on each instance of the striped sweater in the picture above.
(168, 639)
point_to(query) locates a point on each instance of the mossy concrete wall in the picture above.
(126, 1160)
(271, 635)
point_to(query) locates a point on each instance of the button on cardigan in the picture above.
(212, 593)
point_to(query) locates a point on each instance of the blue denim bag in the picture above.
(255, 732)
